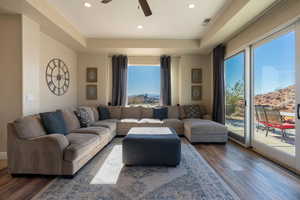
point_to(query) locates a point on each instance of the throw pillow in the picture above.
(54, 122)
(103, 113)
(84, 116)
(160, 113)
(71, 120)
(193, 111)
(90, 113)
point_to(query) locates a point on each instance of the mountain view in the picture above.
(282, 99)
(141, 99)
(143, 85)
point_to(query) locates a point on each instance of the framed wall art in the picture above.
(91, 75)
(91, 92)
(197, 75)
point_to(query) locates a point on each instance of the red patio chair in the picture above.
(275, 120)
(261, 117)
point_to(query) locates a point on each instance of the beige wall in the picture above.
(49, 49)
(30, 66)
(11, 73)
(279, 16)
(24, 54)
(103, 84)
(186, 64)
(180, 76)
(38, 49)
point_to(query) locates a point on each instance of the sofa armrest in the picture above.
(207, 117)
(40, 155)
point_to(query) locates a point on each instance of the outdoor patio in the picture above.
(274, 138)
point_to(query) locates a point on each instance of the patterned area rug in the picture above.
(105, 178)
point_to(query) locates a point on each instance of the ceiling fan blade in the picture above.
(146, 8)
(106, 1)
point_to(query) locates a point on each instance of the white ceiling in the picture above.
(171, 19)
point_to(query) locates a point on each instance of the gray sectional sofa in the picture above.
(32, 151)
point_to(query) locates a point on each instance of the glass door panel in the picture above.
(273, 100)
(235, 96)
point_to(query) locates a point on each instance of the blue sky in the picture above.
(274, 65)
(143, 79)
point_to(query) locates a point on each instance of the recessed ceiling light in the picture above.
(191, 5)
(87, 4)
(140, 27)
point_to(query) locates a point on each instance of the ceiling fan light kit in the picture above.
(143, 3)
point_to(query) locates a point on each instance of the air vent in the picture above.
(206, 21)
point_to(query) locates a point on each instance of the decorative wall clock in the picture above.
(57, 77)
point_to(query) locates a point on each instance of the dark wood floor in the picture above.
(251, 176)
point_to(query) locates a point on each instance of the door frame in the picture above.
(243, 141)
(280, 157)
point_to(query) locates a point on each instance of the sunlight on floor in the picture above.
(111, 168)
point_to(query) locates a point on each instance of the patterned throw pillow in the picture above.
(85, 116)
(160, 113)
(194, 111)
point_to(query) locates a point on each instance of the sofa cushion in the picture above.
(71, 120)
(103, 113)
(108, 123)
(151, 121)
(124, 125)
(160, 113)
(181, 113)
(29, 127)
(131, 113)
(80, 145)
(176, 124)
(146, 112)
(54, 122)
(105, 134)
(92, 130)
(173, 112)
(115, 112)
(129, 121)
(198, 130)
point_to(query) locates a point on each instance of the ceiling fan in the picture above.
(143, 3)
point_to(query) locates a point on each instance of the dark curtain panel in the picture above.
(219, 85)
(165, 80)
(119, 86)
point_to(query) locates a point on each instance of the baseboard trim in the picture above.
(3, 155)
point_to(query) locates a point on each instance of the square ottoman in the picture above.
(151, 146)
(205, 131)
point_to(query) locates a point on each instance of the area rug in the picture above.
(105, 178)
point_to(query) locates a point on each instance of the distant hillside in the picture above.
(143, 99)
(283, 99)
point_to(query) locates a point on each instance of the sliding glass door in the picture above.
(235, 101)
(274, 97)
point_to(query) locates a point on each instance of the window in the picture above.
(235, 96)
(274, 91)
(143, 85)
